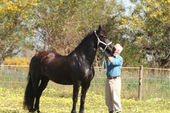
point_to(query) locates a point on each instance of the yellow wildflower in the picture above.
(156, 5)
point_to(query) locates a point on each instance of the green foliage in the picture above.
(63, 24)
(150, 25)
(132, 56)
(15, 25)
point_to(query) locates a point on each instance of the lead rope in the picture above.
(104, 62)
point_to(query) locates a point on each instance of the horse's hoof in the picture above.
(73, 111)
(81, 111)
(32, 110)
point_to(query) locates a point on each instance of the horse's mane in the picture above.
(84, 41)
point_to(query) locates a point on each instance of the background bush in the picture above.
(17, 61)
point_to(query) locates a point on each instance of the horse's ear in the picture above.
(100, 28)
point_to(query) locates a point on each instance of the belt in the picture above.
(112, 77)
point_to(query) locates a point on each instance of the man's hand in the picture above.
(110, 59)
(101, 48)
(105, 53)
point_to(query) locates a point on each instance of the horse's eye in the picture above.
(103, 36)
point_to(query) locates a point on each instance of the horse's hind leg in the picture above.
(43, 84)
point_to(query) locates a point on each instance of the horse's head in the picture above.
(103, 41)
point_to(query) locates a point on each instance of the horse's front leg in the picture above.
(75, 96)
(85, 87)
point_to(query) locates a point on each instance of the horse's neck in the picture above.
(86, 49)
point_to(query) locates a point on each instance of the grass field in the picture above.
(59, 100)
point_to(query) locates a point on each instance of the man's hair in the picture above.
(119, 48)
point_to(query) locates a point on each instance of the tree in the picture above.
(150, 26)
(15, 25)
(62, 24)
(119, 33)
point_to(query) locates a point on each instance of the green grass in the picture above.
(59, 100)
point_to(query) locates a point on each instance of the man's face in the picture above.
(116, 51)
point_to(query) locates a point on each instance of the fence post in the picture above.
(140, 83)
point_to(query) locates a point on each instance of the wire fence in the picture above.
(155, 81)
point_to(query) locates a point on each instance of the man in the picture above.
(113, 82)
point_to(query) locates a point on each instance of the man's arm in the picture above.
(115, 61)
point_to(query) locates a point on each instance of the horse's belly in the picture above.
(64, 79)
(64, 82)
(58, 75)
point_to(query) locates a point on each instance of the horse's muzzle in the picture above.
(110, 50)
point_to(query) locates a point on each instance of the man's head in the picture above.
(118, 48)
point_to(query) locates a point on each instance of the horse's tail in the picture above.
(29, 97)
(30, 91)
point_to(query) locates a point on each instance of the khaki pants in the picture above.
(112, 94)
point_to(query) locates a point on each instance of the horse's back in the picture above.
(42, 58)
(45, 56)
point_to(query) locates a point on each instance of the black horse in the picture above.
(74, 69)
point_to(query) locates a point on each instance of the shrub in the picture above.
(16, 61)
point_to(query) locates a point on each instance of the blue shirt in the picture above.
(114, 67)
